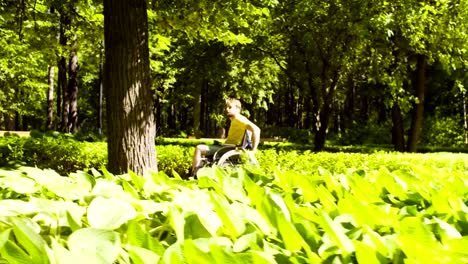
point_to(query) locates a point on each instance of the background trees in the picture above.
(354, 72)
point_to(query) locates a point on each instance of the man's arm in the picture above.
(255, 135)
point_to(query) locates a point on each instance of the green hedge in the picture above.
(65, 154)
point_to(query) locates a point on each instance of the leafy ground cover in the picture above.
(296, 207)
(415, 214)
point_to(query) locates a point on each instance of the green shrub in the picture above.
(56, 151)
(443, 132)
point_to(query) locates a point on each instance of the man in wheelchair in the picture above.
(242, 135)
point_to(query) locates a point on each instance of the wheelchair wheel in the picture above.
(230, 159)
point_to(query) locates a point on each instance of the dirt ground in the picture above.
(20, 133)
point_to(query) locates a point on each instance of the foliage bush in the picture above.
(60, 152)
(365, 133)
(295, 135)
(445, 132)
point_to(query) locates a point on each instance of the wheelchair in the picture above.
(230, 155)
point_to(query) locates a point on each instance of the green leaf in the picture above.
(14, 254)
(101, 246)
(196, 255)
(138, 237)
(232, 224)
(18, 182)
(365, 253)
(64, 187)
(174, 254)
(337, 233)
(245, 242)
(140, 255)
(109, 213)
(416, 240)
(194, 229)
(29, 239)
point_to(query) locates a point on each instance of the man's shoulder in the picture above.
(242, 118)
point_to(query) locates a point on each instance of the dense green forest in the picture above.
(384, 72)
(343, 86)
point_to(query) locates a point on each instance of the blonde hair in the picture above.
(234, 102)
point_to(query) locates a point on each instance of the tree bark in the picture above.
(465, 118)
(100, 95)
(418, 110)
(130, 116)
(62, 92)
(197, 110)
(397, 128)
(50, 99)
(73, 92)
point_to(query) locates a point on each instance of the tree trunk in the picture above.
(73, 92)
(99, 106)
(197, 110)
(465, 117)
(130, 116)
(50, 99)
(397, 128)
(418, 110)
(62, 98)
(10, 122)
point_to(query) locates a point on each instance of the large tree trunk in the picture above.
(62, 99)
(418, 110)
(397, 128)
(465, 117)
(131, 127)
(73, 92)
(50, 99)
(100, 100)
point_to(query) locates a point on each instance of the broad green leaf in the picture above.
(337, 233)
(195, 255)
(363, 190)
(174, 254)
(29, 239)
(138, 182)
(365, 253)
(245, 242)
(64, 187)
(326, 199)
(56, 213)
(127, 187)
(416, 240)
(233, 189)
(291, 238)
(74, 224)
(233, 225)
(250, 215)
(101, 246)
(18, 182)
(365, 213)
(15, 208)
(177, 220)
(110, 189)
(109, 213)
(140, 255)
(138, 237)
(194, 229)
(373, 239)
(447, 231)
(14, 254)
(60, 254)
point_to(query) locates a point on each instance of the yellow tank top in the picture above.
(237, 130)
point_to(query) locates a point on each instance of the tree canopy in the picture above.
(336, 70)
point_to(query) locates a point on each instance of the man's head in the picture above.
(233, 107)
